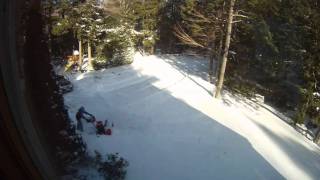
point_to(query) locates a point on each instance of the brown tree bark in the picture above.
(218, 58)
(211, 67)
(212, 56)
(80, 55)
(89, 57)
(226, 50)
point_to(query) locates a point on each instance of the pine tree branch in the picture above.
(240, 15)
(237, 21)
(185, 38)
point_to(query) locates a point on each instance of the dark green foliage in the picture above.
(278, 48)
(86, 20)
(62, 21)
(116, 49)
(72, 149)
(90, 21)
(113, 167)
(311, 64)
(62, 27)
(169, 15)
(110, 35)
(147, 19)
(288, 93)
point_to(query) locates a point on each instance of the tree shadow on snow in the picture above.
(238, 100)
(306, 159)
(190, 65)
(198, 66)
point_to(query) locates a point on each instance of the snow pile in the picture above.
(168, 126)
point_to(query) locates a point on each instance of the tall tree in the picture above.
(226, 50)
(147, 13)
(310, 91)
(90, 24)
(86, 20)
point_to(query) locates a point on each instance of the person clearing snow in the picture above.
(83, 114)
(99, 125)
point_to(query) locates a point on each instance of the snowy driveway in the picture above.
(168, 126)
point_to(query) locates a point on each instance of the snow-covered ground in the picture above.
(169, 127)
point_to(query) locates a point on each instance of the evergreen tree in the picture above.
(310, 104)
(61, 33)
(90, 24)
(279, 45)
(147, 12)
(86, 20)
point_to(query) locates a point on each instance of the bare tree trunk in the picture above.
(89, 57)
(218, 64)
(218, 58)
(226, 50)
(211, 67)
(211, 57)
(80, 55)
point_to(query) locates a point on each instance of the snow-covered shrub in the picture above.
(68, 146)
(73, 148)
(64, 84)
(113, 167)
(100, 62)
(309, 107)
(61, 27)
(146, 40)
(117, 49)
(148, 44)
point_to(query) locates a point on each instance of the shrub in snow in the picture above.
(147, 40)
(309, 107)
(61, 27)
(113, 167)
(73, 148)
(64, 84)
(116, 50)
(148, 43)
